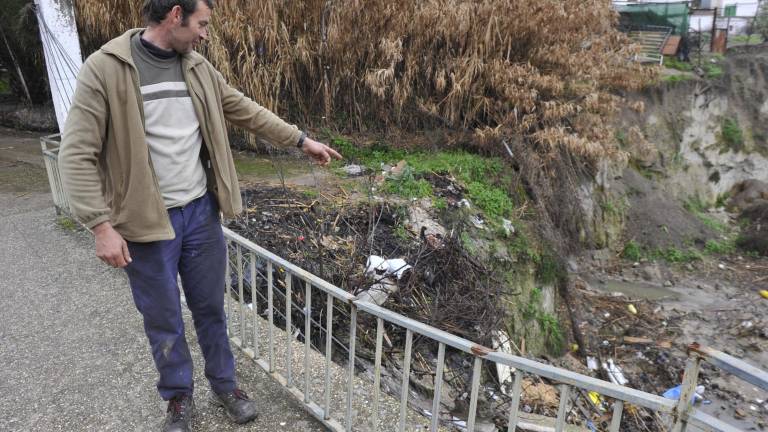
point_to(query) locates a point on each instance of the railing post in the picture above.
(684, 404)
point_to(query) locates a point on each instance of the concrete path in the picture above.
(73, 355)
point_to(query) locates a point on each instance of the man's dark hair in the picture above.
(155, 11)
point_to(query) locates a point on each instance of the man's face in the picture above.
(186, 36)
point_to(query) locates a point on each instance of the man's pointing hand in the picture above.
(319, 152)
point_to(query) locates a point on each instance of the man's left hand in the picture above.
(319, 152)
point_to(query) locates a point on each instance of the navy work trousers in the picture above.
(198, 254)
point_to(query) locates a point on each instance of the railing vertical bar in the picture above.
(328, 352)
(241, 298)
(57, 181)
(288, 330)
(476, 369)
(49, 169)
(406, 378)
(227, 282)
(684, 403)
(514, 410)
(438, 387)
(561, 411)
(377, 374)
(254, 306)
(307, 337)
(351, 373)
(618, 408)
(270, 335)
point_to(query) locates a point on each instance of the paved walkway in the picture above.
(73, 355)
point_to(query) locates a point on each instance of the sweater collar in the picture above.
(120, 47)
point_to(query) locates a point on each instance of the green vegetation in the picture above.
(731, 134)
(632, 251)
(722, 200)
(673, 63)
(486, 187)
(548, 270)
(5, 87)
(408, 186)
(712, 71)
(674, 79)
(67, 223)
(402, 233)
(621, 137)
(551, 328)
(696, 206)
(720, 247)
(675, 255)
(752, 39)
(492, 200)
(548, 323)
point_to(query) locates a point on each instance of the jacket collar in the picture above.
(120, 47)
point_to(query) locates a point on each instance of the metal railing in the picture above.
(50, 145)
(680, 413)
(253, 327)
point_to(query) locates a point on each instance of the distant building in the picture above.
(733, 15)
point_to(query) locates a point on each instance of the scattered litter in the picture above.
(477, 221)
(607, 315)
(501, 342)
(465, 203)
(378, 266)
(614, 373)
(747, 324)
(379, 293)
(674, 393)
(398, 169)
(509, 229)
(353, 170)
(721, 266)
(632, 309)
(591, 363)
(637, 340)
(764, 293)
(596, 399)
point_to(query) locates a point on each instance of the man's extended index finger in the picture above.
(334, 153)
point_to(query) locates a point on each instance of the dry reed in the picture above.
(545, 70)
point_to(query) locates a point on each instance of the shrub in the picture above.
(731, 133)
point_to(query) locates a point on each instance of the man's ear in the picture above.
(176, 14)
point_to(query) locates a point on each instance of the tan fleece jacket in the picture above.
(104, 158)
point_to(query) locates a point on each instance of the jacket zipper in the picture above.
(212, 157)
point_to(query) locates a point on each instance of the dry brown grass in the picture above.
(546, 70)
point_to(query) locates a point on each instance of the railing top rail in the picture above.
(291, 268)
(732, 365)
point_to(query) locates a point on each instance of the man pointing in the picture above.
(146, 164)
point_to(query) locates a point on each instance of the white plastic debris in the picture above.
(377, 266)
(378, 293)
(591, 363)
(477, 221)
(465, 203)
(614, 373)
(501, 342)
(509, 229)
(353, 170)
